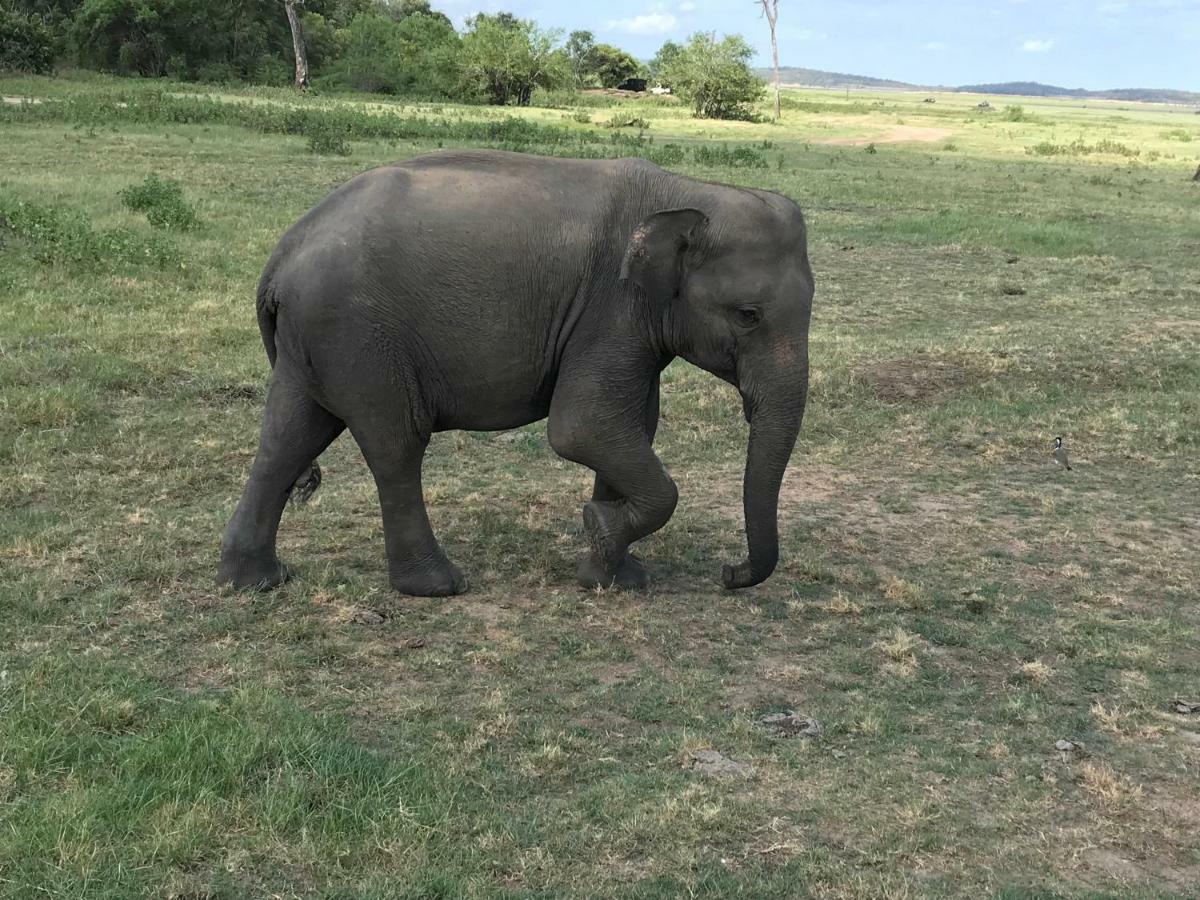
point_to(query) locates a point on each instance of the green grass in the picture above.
(949, 605)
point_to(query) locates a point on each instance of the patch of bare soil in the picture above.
(913, 377)
(897, 134)
(1109, 864)
(617, 92)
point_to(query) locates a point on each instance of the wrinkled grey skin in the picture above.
(486, 290)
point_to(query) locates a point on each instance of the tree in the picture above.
(662, 60)
(715, 77)
(404, 9)
(610, 65)
(297, 42)
(770, 10)
(578, 49)
(413, 55)
(372, 60)
(210, 40)
(598, 64)
(26, 43)
(505, 58)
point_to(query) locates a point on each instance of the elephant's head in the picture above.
(730, 290)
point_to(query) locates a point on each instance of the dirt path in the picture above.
(897, 134)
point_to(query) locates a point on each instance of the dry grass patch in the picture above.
(1036, 671)
(903, 593)
(1114, 792)
(841, 605)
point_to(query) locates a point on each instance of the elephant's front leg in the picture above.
(614, 444)
(630, 572)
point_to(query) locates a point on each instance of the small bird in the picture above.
(1060, 453)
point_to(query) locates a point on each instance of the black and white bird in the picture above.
(1060, 453)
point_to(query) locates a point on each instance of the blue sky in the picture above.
(1074, 43)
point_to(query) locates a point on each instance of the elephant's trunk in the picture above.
(775, 414)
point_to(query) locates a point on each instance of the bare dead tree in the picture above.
(770, 11)
(297, 42)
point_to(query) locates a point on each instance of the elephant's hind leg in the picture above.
(295, 431)
(416, 564)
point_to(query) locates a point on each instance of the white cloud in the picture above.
(651, 23)
(687, 6)
(1037, 45)
(935, 45)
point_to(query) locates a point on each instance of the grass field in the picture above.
(950, 604)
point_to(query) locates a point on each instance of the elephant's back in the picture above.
(469, 262)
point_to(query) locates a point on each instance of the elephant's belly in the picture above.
(499, 417)
(502, 398)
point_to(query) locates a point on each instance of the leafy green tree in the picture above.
(598, 64)
(578, 47)
(372, 60)
(125, 36)
(323, 40)
(26, 43)
(56, 15)
(662, 60)
(504, 58)
(340, 13)
(714, 77)
(403, 9)
(205, 39)
(414, 55)
(610, 65)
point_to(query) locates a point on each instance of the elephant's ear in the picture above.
(657, 248)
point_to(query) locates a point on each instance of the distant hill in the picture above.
(818, 78)
(1036, 89)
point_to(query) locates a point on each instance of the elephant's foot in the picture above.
(255, 572)
(630, 574)
(600, 520)
(443, 580)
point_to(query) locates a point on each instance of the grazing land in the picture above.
(950, 605)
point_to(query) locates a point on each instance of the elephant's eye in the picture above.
(747, 316)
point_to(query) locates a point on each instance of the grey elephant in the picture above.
(486, 290)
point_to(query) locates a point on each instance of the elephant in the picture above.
(485, 290)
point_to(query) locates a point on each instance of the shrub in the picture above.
(737, 158)
(582, 116)
(1079, 148)
(55, 234)
(326, 139)
(26, 44)
(666, 155)
(162, 202)
(625, 121)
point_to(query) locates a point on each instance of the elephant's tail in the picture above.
(267, 305)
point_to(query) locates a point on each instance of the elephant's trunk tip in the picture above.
(745, 575)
